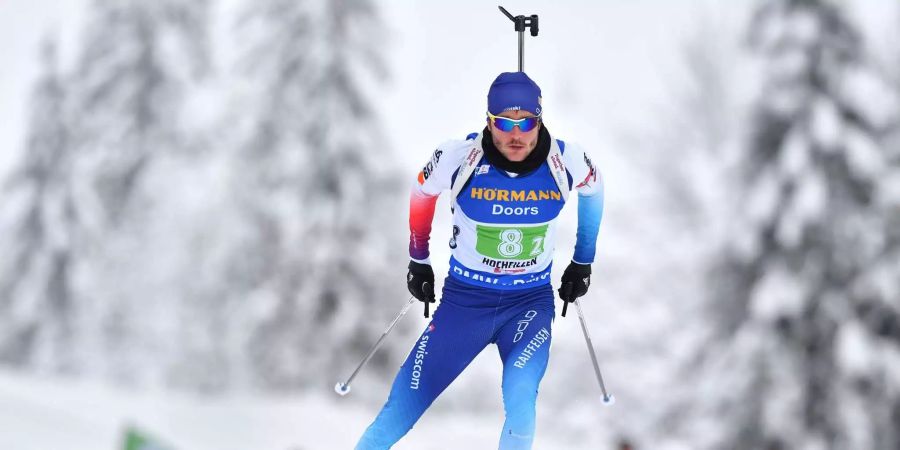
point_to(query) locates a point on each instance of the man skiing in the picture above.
(509, 184)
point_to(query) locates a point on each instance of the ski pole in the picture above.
(429, 296)
(521, 23)
(608, 399)
(344, 388)
(565, 294)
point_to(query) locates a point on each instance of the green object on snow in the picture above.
(138, 440)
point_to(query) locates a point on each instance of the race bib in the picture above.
(517, 243)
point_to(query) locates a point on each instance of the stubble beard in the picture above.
(520, 154)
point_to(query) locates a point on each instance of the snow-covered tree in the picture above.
(317, 191)
(688, 149)
(130, 86)
(36, 233)
(807, 302)
(135, 66)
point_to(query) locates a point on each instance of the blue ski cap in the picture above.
(514, 91)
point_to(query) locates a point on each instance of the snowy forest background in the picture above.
(203, 201)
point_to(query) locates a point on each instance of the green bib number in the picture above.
(521, 243)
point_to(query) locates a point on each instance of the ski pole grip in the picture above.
(566, 294)
(428, 289)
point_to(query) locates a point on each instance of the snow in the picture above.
(23, 25)
(778, 294)
(826, 127)
(38, 413)
(854, 351)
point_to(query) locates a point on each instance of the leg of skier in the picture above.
(524, 345)
(450, 342)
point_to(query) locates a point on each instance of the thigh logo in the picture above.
(522, 325)
(419, 361)
(536, 342)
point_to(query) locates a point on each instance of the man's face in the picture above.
(514, 145)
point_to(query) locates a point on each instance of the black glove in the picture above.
(575, 282)
(420, 282)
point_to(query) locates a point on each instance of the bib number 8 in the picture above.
(518, 243)
(510, 242)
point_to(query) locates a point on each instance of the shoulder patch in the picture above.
(592, 173)
(429, 167)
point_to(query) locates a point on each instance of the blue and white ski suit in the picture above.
(498, 290)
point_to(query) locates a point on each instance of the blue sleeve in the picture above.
(590, 211)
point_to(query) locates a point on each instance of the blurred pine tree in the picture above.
(806, 296)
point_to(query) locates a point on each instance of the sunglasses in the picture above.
(506, 124)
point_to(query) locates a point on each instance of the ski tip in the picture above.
(609, 400)
(341, 389)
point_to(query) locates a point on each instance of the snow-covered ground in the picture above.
(55, 414)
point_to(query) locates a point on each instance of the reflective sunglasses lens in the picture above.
(503, 124)
(528, 124)
(506, 125)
